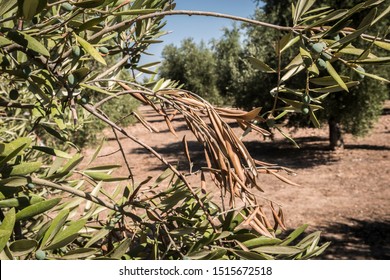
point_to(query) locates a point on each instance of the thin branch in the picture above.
(10, 104)
(116, 66)
(124, 156)
(187, 13)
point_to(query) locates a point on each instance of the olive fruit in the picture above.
(270, 122)
(321, 64)
(76, 51)
(40, 255)
(103, 50)
(361, 69)
(71, 80)
(26, 71)
(326, 56)
(306, 99)
(30, 185)
(13, 94)
(318, 47)
(67, 7)
(84, 99)
(305, 109)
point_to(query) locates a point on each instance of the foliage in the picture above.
(55, 204)
(194, 66)
(250, 88)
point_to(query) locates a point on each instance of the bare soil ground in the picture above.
(345, 193)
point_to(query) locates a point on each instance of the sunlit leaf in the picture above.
(294, 235)
(55, 226)
(95, 88)
(330, 17)
(101, 176)
(90, 49)
(378, 60)
(292, 72)
(53, 152)
(25, 168)
(37, 208)
(261, 241)
(376, 77)
(382, 15)
(383, 45)
(5, 6)
(302, 7)
(278, 250)
(290, 43)
(12, 149)
(335, 76)
(335, 88)
(250, 255)
(258, 64)
(364, 25)
(7, 227)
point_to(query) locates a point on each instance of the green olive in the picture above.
(361, 69)
(326, 56)
(76, 51)
(305, 109)
(103, 50)
(13, 94)
(30, 185)
(40, 255)
(321, 64)
(71, 80)
(84, 99)
(67, 7)
(318, 47)
(306, 99)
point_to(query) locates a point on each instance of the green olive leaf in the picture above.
(90, 49)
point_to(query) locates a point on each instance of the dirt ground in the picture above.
(345, 194)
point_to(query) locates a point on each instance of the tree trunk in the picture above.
(335, 136)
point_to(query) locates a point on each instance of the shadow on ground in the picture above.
(357, 239)
(313, 151)
(280, 152)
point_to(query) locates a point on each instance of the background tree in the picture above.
(352, 112)
(194, 66)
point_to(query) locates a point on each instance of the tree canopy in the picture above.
(355, 111)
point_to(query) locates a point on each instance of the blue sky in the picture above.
(200, 28)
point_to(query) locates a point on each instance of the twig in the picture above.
(131, 176)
